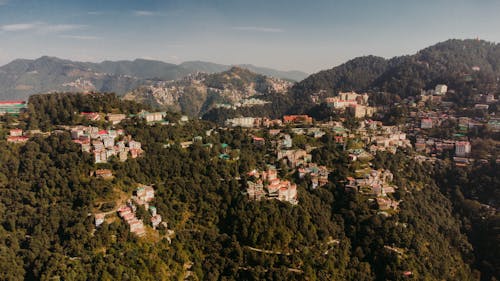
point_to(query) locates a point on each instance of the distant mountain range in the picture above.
(468, 67)
(196, 94)
(22, 77)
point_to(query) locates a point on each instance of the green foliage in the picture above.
(45, 111)
(475, 195)
(46, 232)
(448, 62)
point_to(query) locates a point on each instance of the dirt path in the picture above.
(267, 251)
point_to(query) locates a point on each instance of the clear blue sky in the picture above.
(307, 35)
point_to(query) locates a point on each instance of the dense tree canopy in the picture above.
(47, 198)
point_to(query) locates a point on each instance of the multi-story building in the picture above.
(462, 148)
(426, 123)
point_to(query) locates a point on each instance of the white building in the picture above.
(153, 116)
(246, 122)
(99, 219)
(462, 148)
(440, 89)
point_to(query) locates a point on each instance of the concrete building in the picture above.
(15, 132)
(426, 123)
(246, 122)
(152, 116)
(440, 89)
(12, 107)
(462, 148)
(361, 111)
(115, 118)
(297, 119)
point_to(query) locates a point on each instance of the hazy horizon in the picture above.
(286, 35)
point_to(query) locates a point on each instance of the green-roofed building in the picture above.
(12, 107)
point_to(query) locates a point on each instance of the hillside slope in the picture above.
(464, 65)
(197, 94)
(22, 78)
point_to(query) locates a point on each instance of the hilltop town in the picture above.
(357, 134)
(266, 180)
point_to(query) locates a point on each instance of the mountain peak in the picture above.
(240, 69)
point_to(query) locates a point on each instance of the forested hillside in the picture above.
(466, 66)
(47, 197)
(48, 110)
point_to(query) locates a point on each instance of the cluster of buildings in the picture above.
(267, 185)
(318, 174)
(18, 135)
(446, 128)
(301, 160)
(425, 123)
(150, 117)
(435, 146)
(356, 104)
(103, 145)
(81, 85)
(375, 183)
(127, 213)
(243, 103)
(143, 195)
(373, 135)
(115, 118)
(251, 122)
(383, 138)
(434, 96)
(255, 122)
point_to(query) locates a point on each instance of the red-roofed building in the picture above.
(16, 132)
(17, 139)
(104, 173)
(12, 102)
(408, 273)
(93, 116)
(296, 119)
(13, 106)
(259, 141)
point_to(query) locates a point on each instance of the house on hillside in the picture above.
(115, 118)
(99, 219)
(297, 119)
(104, 174)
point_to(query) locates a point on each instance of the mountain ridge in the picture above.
(468, 67)
(23, 77)
(198, 93)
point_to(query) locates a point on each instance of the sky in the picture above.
(306, 35)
